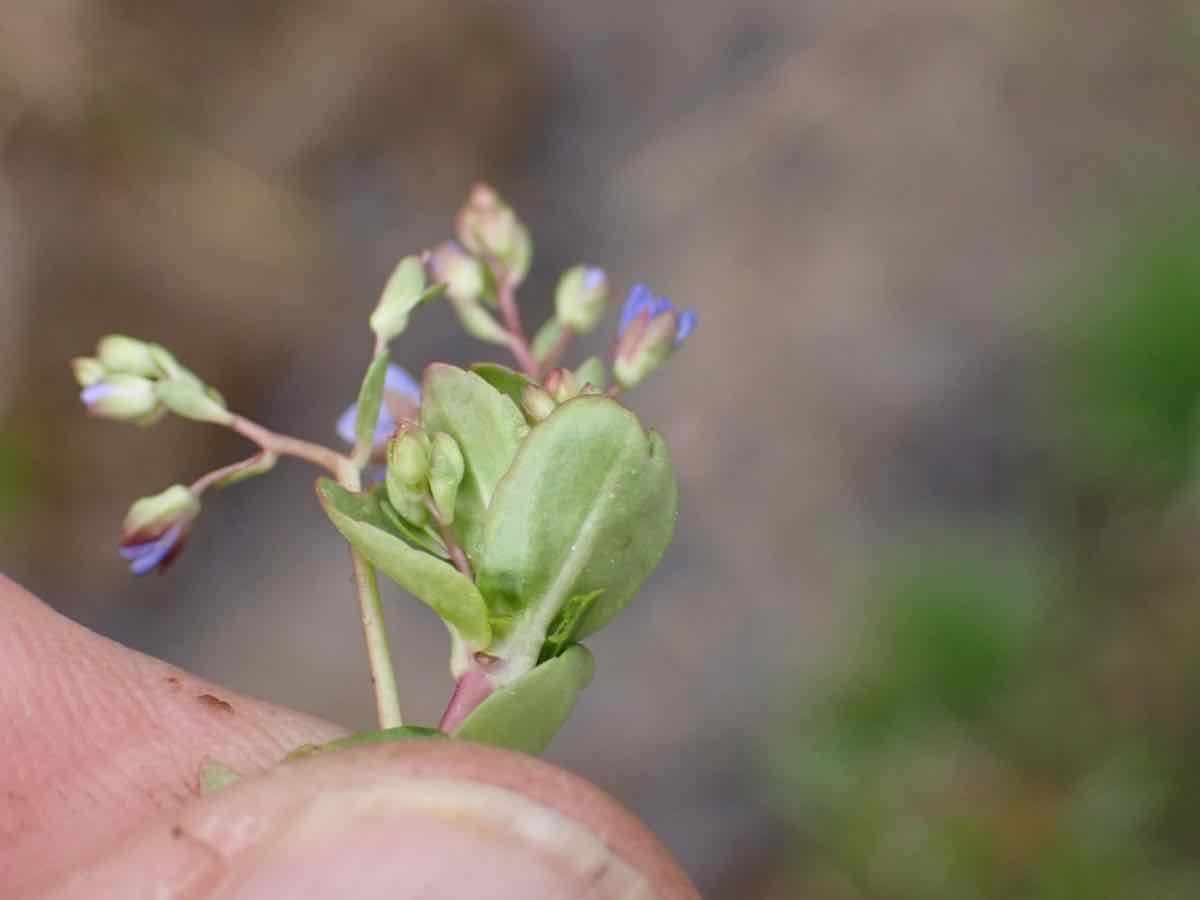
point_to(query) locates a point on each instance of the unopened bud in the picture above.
(88, 370)
(537, 402)
(188, 396)
(461, 272)
(404, 291)
(561, 384)
(644, 347)
(487, 226)
(580, 298)
(592, 373)
(127, 356)
(409, 458)
(446, 471)
(153, 515)
(125, 398)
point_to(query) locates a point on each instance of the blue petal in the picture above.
(639, 298)
(95, 393)
(398, 380)
(660, 306)
(687, 324)
(145, 558)
(346, 422)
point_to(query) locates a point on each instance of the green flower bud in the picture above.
(446, 471)
(643, 348)
(187, 396)
(151, 516)
(562, 385)
(409, 457)
(126, 398)
(537, 402)
(580, 298)
(88, 370)
(488, 227)
(127, 356)
(479, 323)
(461, 272)
(592, 372)
(404, 291)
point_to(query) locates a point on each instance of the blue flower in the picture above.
(644, 306)
(157, 553)
(401, 399)
(156, 528)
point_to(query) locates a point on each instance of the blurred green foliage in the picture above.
(1022, 724)
(16, 477)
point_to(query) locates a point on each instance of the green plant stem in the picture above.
(557, 349)
(348, 474)
(379, 654)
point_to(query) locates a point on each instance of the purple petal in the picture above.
(397, 381)
(639, 298)
(592, 278)
(145, 558)
(401, 382)
(93, 394)
(659, 307)
(346, 422)
(687, 324)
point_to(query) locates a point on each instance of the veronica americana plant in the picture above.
(525, 506)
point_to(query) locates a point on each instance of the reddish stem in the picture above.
(518, 343)
(471, 690)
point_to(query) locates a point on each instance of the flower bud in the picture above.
(591, 372)
(187, 396)
(580, 298)
(638, 358)
(125, 398)
(156, 528)
(561, 385)
(88, 370)
(127, 356)
(404, 290)
(446, 471)
(488, 227)
(537, 402)
(409, 458)
(461, 272)
(650, 330)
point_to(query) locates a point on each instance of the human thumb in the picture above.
(420, 818)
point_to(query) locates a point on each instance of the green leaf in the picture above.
(431, 580)
(592, 372)
(526, 714)
(545, 339)
(363, 738)
(488, 427)
(370, 399)
(588, 505)
(425, 538)
(507, 381)
(565, 627)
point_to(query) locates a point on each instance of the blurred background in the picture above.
(930, 625)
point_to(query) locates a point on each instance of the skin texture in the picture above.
(99, 752)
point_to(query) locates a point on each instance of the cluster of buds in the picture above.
(136, 381)
(424, 473)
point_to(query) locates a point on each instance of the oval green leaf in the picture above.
(488, 427)
(370, 399)
(431, 580)
(588, 505)
(509, 382)
(526, 714)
